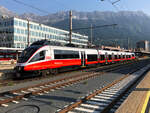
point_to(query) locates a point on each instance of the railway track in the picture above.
(10, 82)
(108, 98)
(23, 93)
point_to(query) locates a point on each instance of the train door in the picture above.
(113, 57)
(83, 58)
(106, 57)
(121, 57)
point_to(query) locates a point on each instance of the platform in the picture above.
(139, 100)
(6, 70)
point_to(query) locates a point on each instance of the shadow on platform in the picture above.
(142, 89)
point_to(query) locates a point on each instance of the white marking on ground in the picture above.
(90, 106)
(104, 100)
(84, 109)
(103, 97)
(4, 105)
(16, 102)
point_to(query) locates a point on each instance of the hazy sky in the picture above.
(53, 6)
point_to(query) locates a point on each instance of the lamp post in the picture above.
(28, 38)
(70, 31)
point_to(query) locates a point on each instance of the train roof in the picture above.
(49, 43)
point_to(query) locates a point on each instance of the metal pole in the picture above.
(45, 36)
(28, 39)
(91, 34)
(16, 55)
(70, 31)
(128, 43)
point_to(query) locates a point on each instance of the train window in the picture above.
(128, 56)
(132, 55)
(115, 57)
(102, 57)
(39, 56)
(27, 53)
(109, 57)
(119, 56)
(91, 57)
(66, 54)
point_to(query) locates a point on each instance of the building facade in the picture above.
(143, 45)
(14, 33)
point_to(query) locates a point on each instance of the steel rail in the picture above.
(76, 104)
(43, 90)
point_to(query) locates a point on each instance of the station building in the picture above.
(14, 33)
(143, 45)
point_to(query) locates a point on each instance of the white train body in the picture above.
(38, 58)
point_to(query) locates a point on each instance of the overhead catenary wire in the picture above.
(115, 1)
(94, 27)
(39, 9)
(113, 4)
(31, 6)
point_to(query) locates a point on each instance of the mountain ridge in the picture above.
(133, 25)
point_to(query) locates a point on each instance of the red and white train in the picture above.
(45, 58)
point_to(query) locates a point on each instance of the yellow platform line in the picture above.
(146, 102)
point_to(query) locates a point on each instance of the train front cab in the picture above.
(30, 60)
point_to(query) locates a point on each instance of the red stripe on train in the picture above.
(52, 64)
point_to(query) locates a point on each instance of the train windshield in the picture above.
(27, 53)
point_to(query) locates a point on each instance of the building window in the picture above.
(42, 34)
(36, 33)
(24, 39)
(38, 28)
(43, 28)
(22, 31)
(24, 24)
(34, 27)
(22, 46)
(18, 31)
(26, 32)
(5, 24)
(15, 30)
(16, 22)
(18, 45)
(20, 38)
(15, 45)
(20, 23)
(16, 38)
(39, 34)
(11, 22)
(31, 26)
